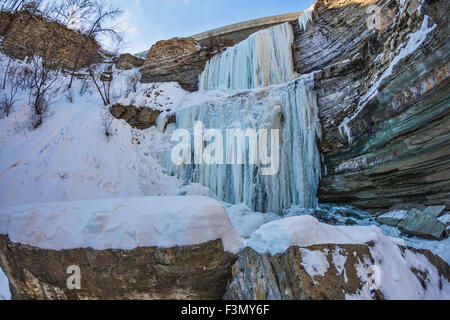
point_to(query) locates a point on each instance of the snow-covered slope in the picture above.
(70, 158)
(126, 223)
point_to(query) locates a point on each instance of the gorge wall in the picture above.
(381, 76)
(380, 73)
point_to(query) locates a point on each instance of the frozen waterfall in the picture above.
(291, 108)
(264, 59)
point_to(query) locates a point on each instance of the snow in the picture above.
(339, 261)
(315, 262)
(263, 59)
(397, 280)
(246, 221)
(123, 223)
(397, 214)
(277, 236)
(5, 294)
(445, 219)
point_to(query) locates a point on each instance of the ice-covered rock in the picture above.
(300, 258)
(392, 218)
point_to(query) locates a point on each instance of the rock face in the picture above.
(128, 61)
(190, 272)
(319, 272)
(26, 34)
(137, 117)
(178, 59)
(383, 95)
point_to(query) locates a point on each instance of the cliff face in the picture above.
(382, 82)
(381, 76)
(178, 59)
(25, 34)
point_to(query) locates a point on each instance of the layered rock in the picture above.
(178, 59)
(25, 34)
(137, 117)
(383, 97)
(188, 272)
(128, 61)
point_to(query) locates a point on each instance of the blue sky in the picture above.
(146, 21)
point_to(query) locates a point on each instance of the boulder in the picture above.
(435, 211)
(178, 59)
(128, 61)
(128, 248)
(392, 218)
(335, 272)
(137, 117)
(302, 258)
(422, 225)
(145, 273)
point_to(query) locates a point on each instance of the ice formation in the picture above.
(291, 108)
(264, 59)
(305, 19)
(5, 294)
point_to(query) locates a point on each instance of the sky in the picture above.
(145, 22)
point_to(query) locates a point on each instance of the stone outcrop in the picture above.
(179, 59)
(285, 277)
(420, 224)
(137, 117)
(128, 61)
(384, 110)
(25, 34)
(190, 272)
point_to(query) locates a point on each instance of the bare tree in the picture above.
(8, 99)
(45, 72)
(107, 123)
(97, 22)
(13, 80)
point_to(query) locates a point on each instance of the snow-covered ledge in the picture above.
(126, 223)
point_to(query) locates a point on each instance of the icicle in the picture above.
(305, 19)
(264, 59)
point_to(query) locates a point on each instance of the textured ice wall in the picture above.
(264, 59)
(292, 108)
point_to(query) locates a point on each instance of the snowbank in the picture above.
(5, 294)
(276, 237)
(398, 281)
(125, 223)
